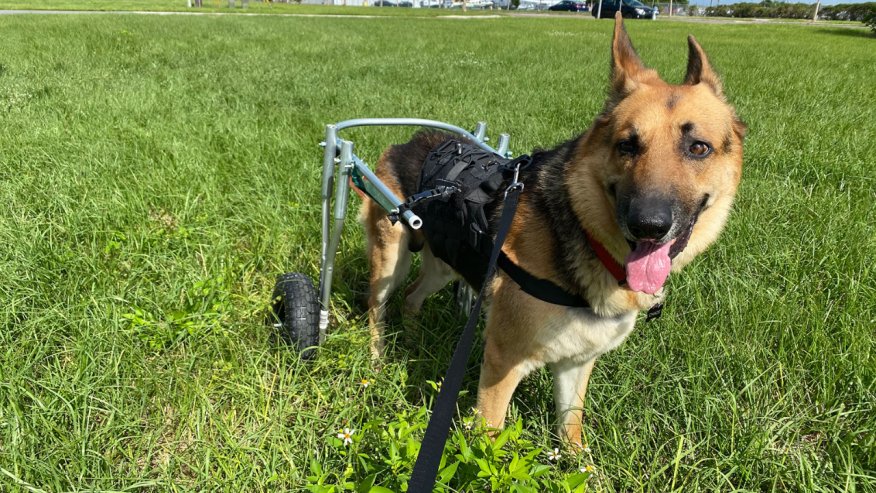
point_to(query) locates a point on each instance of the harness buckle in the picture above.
(515, 184)
(439, 192)
(655, 312)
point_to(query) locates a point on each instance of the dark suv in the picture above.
(569, 6)
(631, 9)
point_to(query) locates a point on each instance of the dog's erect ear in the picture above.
(698, 68)
(626, 66)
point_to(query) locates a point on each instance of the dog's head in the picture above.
(656, 175)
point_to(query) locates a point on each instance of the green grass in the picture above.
(156, 174)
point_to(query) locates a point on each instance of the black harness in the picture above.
(461, 187)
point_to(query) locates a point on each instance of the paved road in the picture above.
(708, 20)
(150, 12)
(140, 12)
(55, 12)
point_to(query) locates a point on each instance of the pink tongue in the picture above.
(648, 266)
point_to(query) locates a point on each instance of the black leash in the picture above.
(426, 468)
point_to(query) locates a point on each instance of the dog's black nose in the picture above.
(649, 218)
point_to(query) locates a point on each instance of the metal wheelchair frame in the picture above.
(341, 167)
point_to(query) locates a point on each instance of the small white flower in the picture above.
(587, 449)
(555, 455)
(365, 383)
(346, 436)
(588, 468)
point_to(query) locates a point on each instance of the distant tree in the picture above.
(870, 20)
(849, 12)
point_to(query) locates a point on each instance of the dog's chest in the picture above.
(577, 334)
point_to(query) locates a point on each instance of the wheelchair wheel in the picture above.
(296, 313)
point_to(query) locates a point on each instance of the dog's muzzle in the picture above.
(656, 235)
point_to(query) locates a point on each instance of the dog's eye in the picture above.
(699, 149)
(629, 147)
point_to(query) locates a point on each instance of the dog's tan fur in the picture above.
(524, 333)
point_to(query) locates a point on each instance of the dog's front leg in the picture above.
(500, 375)
(570, 386)
(508, 346)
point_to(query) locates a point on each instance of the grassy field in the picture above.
(157, 173)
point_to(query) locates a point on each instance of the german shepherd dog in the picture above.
(651, 182)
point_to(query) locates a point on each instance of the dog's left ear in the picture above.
(699, 70)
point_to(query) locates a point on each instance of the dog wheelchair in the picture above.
(300, 311)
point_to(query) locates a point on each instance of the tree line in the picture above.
(772, 9)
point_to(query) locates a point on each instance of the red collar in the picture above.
(616, 269)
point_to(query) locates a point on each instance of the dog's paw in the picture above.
(575, 446)
(378, 347)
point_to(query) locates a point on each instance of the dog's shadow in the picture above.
(428, 341)
(847, 32)
(425, 341)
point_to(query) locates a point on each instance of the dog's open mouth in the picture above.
(649, 263)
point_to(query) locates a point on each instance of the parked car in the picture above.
(569, 6)
(389, 3)
(631, 9)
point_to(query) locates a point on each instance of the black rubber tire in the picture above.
(296, 313)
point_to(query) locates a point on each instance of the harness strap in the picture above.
(429, 458)
(551, 293)
(456, 170)
(540, 288)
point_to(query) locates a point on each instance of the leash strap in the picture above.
(429, 458)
